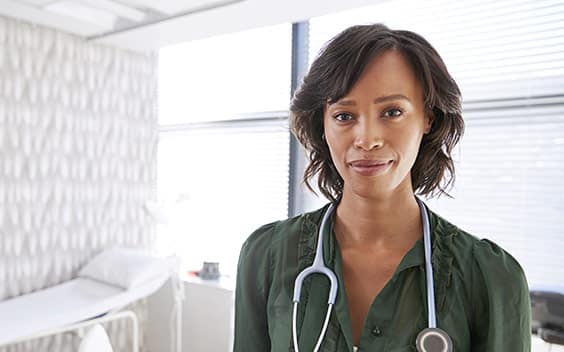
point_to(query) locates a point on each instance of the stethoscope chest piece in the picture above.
(433, 340)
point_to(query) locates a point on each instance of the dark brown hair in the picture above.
(335, 71)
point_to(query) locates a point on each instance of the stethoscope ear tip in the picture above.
(433, 340)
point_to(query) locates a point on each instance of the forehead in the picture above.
(388, 73)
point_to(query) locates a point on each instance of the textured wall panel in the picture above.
(78, 133)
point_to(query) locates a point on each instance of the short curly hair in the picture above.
(335, 71)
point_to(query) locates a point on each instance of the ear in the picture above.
(429, 119)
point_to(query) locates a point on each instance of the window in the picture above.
(509, 184)
(231, 179)
(508, 58)
(224, 142)
(226, 77)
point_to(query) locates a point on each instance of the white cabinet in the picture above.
(207, 317)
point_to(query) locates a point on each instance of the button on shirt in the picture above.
(481, 293)
(376, 331)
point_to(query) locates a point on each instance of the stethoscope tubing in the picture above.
(319, 267)
(431, 308)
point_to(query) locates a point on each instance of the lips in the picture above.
(368, 163)
(369, 167)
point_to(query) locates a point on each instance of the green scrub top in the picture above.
(482, 296)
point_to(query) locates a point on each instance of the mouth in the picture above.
(370, 167)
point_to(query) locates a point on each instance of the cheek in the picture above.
(333, 148)
(411, 149)
(337, 151)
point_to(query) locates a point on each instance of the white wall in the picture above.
(78, 132)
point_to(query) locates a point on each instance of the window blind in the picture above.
(510, 167)
(233, 177)
(508, 59)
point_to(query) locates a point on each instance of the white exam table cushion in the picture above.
(68, 303)
(124, 267)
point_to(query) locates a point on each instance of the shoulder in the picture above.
(274, 234)
(497, 267)
(481, 258)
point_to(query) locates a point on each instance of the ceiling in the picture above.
(144, 25)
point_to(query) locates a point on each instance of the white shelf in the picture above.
(224, 282)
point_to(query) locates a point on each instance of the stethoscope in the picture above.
(431, 339)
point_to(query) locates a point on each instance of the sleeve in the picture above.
(501, 319)
(251, 292)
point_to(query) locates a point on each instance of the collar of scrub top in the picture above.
(319, 267)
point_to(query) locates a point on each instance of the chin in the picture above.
(372, 190)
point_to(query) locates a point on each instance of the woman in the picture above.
(379, 114)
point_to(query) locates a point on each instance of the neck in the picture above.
(382, 221)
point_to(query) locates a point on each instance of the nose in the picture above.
(368, 134)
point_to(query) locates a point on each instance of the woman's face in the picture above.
(374, 132)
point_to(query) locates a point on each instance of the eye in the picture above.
(393, 113)
(343, 116)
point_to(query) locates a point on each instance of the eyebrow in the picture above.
(344, 102)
